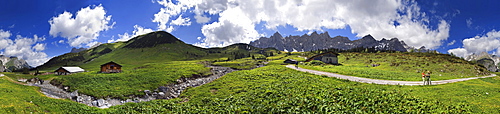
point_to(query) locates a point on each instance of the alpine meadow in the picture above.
(249, 57)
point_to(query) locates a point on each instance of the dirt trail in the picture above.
(11, 80)
(385, 82)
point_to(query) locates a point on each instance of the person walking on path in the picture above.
(297, 64)
(427, 78)
(423, 77)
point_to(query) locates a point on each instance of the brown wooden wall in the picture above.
(111, 68)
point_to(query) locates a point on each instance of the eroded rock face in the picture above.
(489, 61)
(162, 92)
(9, 64)
(317, 41)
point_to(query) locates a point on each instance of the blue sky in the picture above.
(37, 30)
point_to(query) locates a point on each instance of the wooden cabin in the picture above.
(111, 67)
(290, 61)
(328, 58)
(68, 70)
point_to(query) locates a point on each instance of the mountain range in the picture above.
(9, 64)
(317, 41)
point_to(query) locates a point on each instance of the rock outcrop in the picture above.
(76, 50)
(317, 41)
(489, 61)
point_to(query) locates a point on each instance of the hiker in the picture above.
(423, 77)
(297, 64)
(426, 77)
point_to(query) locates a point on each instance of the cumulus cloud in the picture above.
(201, 19)
(459, 52)
(181, 21)
(171, 10)
(4, 39)
(237, 19)
(25, 48)
(485, 43)
(380, 18)
(138, 30)
(451, 43)
(83, 28)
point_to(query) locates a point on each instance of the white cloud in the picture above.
(238, 18)
(451, 43)
(39, 47)
(169, 10)
(4, 39)
(459, 52)
(4, 34)
(485, 43)
(181, 21)
(201, 19)
(469, 22)
(25, 48)
(138, 30)
(364, 17)
(83, 28)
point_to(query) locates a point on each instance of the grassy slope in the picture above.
(148, 61)
(275, 89)
(403, 66)
(17, 98)
(279, 89)
(129, 83)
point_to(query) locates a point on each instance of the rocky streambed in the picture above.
(162, 92)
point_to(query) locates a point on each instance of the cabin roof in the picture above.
(111, 63)
(72, 69)
(330, 52)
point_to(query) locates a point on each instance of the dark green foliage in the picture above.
(106, 50)
(152, 40)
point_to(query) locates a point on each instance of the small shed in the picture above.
(111, 67)
(68, 70)
(328, 58)
(290, 61)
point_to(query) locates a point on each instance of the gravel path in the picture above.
(378, 81)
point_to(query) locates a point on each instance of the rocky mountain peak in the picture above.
(8, 64)
(316, 41)
(76, 50)
(489, 61)
(368, 38)
(315, 34)
(276, 35)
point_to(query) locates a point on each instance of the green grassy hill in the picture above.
(155, 47)
(148, 61)
(403, 66)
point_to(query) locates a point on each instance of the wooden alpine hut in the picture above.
(327, 57)
(68, 70)
(111, 67)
